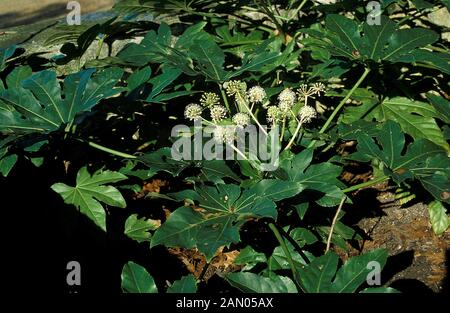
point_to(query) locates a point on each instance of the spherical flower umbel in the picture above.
(286, 99)
(306, 114)
(218, 113)
(193, 111)
(273, 114)
(209, 99)
(234, 87)
(241, 119)
(256, 94)
(224, 134)
(318, 88)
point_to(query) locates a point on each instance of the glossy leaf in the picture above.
(354, 272)
(39, 104)
(253, 283)
(423, 160)
(5, 54)
(415, 118)
(317, 276)
(321, 177)
(186, 284)
(89, 191)
(438, 217)
(136, 279)
(139, 228)
(224, 209)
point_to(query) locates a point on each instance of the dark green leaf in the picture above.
(253, 283)
(136, 279)
(186, 284)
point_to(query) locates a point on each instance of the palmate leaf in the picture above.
(196, 52)
(210, 170)
(222, 210)
(321, 177)
(423, 159)
(136, 279)
(321, 275)
(39, 104)
(414, 117)
(161, 6)
(89, 191)
(384, 42)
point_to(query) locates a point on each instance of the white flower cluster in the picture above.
(274, 114)
(286, 100)
(193, 112)
(256, 94)
(234, 87)
(305, 91)
(209, 99)
(218, 113)
(241, 119)
(306, 114)
(224, 134)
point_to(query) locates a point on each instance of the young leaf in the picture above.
(186, 284)
(438, 217)
(89, 190)
(136, 279)
(139, 229)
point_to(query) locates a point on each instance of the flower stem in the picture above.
(243, 102)
(330, 235)
(109, 150)
(238, 151)
(291, 142)
(100, 46)
(366, 184)
(341, 104)
(224, 97)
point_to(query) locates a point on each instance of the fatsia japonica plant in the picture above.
(318, 84)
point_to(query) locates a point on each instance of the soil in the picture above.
(419, 258)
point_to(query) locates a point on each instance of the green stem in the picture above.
(100, 46)
(280, 239)
(341, 104)
(224, 97)
(366, 184)
(243, 102)
(291, 142)
(283, 129)
(109, 150)
(299, 8)
(238, 152)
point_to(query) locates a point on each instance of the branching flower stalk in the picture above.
(340, 105)
(242, 101)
